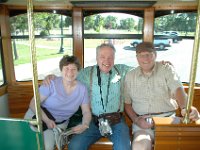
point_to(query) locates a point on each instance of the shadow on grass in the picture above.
(130, 48)
(165, 49)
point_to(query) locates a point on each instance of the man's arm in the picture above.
(139, 120)
(47, 79)
(181, 97)
(182, 100)
(131, 113)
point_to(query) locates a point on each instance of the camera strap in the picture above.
(108, 87)
(99, 82)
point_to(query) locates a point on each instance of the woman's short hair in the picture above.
(66, 60)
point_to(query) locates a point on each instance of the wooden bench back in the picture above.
(19, 98)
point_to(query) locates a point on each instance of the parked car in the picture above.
(172, 35)
(160, 43)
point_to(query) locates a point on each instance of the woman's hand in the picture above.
(193, 115)
(79, 128)
(50, 124)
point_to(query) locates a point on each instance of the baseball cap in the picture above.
(145, 46)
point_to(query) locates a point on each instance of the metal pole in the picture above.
(193, 70)
(34, 63)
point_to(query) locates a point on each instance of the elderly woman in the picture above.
(61, 100)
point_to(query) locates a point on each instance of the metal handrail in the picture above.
(193, 70)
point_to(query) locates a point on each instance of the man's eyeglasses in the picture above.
(149, 55)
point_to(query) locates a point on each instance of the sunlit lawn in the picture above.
(44, 49)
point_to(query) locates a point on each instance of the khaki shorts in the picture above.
(150, 131)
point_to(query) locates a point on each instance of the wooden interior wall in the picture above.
(20, 96)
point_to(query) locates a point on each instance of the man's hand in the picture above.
(166, 62)
(142, 122)
(193, 115)
(47, 79)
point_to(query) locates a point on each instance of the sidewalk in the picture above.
(44, 67)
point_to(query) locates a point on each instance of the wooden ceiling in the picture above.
(103, 3)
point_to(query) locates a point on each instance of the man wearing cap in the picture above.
(152, 89)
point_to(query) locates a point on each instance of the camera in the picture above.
(149, 120)
(104, 127)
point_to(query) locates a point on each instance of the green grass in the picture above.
(48, 48)
(44, 49)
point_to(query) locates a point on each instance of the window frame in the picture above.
(2, 62)
(26, 37)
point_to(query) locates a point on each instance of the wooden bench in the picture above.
(19, 97)
(171, 133)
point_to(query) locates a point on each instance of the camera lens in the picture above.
(149, 120)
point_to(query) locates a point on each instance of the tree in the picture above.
(68, 21)
(127, 24)
(110, 22)
(61, 40)
(89, 22)
(187, 22)
(178, 22)
(140, 25)
(40, 22)
(19, 24)
(52, 21)
(98, 23)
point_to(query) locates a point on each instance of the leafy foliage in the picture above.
(98, 23)
(45, 22)
(183, 22)
(128, 24)
(110, 22)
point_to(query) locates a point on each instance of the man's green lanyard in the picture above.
(108, 87)
(99, 83)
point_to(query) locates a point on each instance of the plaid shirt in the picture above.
(153, 93)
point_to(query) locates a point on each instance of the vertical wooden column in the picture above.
(7, 44)
(78, 47)
(148, 30)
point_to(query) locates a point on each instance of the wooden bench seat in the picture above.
(19, 97)
(102, 143)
